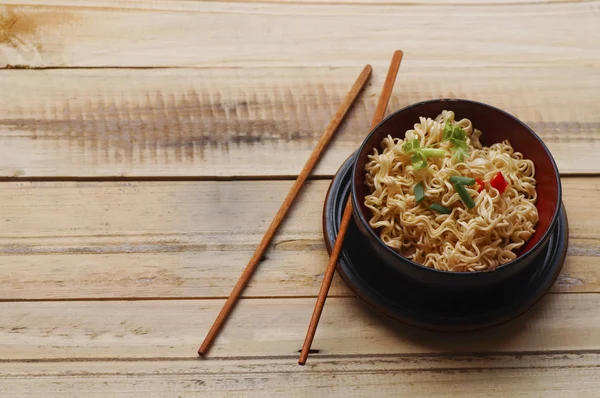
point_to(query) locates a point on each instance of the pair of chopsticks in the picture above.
(287, 203)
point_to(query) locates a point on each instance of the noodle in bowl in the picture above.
(488, 200)
(466, 239)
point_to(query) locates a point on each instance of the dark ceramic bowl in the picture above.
(496, 126)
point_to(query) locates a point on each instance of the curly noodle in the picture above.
(466, 239)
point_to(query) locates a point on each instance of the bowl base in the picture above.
(401, 299)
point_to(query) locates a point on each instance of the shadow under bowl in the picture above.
(496, 126)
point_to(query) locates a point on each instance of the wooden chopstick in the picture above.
(285, 206)
(386, 92)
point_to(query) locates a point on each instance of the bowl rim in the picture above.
(398, 256)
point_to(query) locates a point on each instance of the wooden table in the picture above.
(145, 145)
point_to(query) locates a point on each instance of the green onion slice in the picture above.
(440, 209)
(419, 192)
(464, 195)
(462, 180)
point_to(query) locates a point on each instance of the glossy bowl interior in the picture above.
(496, 126)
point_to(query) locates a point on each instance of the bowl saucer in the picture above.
(405, 301)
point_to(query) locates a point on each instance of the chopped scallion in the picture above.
(462, 180)
(440, 209)
(464, 195)
(458, 137)
(433, 152)
(419, 192)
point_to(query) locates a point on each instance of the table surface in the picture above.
(145, 146)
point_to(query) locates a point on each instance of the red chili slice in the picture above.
(479, 184)
(499, 182)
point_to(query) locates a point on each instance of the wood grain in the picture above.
(274, 327)
(61, 240)
(225, 34)
(548, 375)
(258, 122)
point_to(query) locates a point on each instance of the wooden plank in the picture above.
(178, 5)
(98, 240)
(206, 274)
(195, 33)
(432, 376)
(266, 327)
(258, 122)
